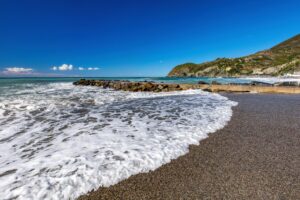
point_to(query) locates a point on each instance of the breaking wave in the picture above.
(58, 141)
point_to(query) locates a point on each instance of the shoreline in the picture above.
(252, 87)
(256, 156)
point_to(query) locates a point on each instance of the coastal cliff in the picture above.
(281, 59)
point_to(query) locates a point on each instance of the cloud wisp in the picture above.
(93, 68)
(18, 70)
(69, 67)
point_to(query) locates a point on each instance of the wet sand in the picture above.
(256, 156)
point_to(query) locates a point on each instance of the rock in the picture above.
(214, 87)
(288, 83)
(239, 83)
(260, 83)
(215, 83)
(160, 87)
(81, 82)
(202, 83)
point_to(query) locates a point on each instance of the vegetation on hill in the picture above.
(281, 59)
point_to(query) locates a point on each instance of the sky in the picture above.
(135, 37)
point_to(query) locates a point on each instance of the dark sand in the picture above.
(256, 156)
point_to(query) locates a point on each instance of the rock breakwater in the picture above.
(137, 86)
(254, 87)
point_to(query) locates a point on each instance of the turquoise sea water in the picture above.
(39, 80)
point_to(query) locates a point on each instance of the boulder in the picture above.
(202, 83)
(215, 83)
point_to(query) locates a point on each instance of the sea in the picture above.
(59, 141)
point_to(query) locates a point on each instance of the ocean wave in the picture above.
(58, 141)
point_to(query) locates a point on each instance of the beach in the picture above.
(60, 140)
(256, 156)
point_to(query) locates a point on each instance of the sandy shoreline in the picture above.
(256, 156)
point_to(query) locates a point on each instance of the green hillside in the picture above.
(281, 59)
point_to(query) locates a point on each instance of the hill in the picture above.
(281, 59)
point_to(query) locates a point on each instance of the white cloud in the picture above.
(66, 67)
(93, 68)
(17, 70)
(26, 72)
(63, 67)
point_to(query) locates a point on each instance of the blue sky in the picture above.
(135, 38)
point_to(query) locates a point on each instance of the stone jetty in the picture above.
(254, 87)
(137, 86)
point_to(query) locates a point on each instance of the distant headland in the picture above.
(282, 59)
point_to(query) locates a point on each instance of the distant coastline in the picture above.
(280, 60)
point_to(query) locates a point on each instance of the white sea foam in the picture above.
(273, 80)
(58, 141)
